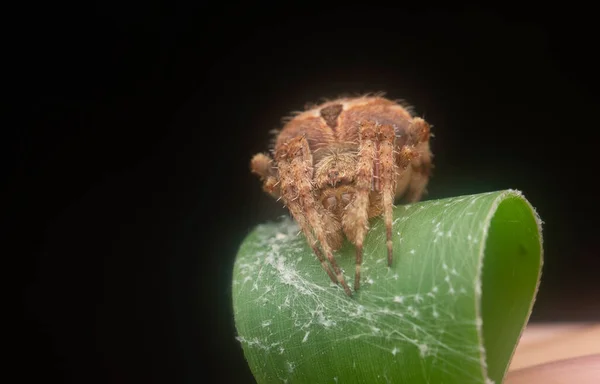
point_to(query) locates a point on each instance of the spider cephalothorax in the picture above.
(339, 164)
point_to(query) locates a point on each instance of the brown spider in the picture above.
(343, 162)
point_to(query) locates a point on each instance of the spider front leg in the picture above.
(296, 212)
(355, 220)
(295, 166)
(262, 165)
(376, 170)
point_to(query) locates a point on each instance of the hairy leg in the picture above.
(416, 154)
(296, 212)
(355, 221)
(417, 184)
(295, 167)
(387, 180)
(377, 169)
(262, 166)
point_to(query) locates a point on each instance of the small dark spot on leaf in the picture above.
(522, 250)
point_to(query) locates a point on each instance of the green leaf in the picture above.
(449, 310)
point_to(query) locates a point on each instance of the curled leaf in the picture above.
(450, 309)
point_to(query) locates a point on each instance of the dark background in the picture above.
(128, 165)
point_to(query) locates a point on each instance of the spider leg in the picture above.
(262, 165)
(417, 155)
(387, 180)
(295, 166)
(355, 220)
(296, 211)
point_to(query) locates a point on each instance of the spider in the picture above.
(340, 163)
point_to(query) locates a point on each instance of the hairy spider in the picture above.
(341, 163)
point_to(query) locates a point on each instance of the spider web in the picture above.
(420, 314)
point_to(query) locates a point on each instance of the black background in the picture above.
(128, 164)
